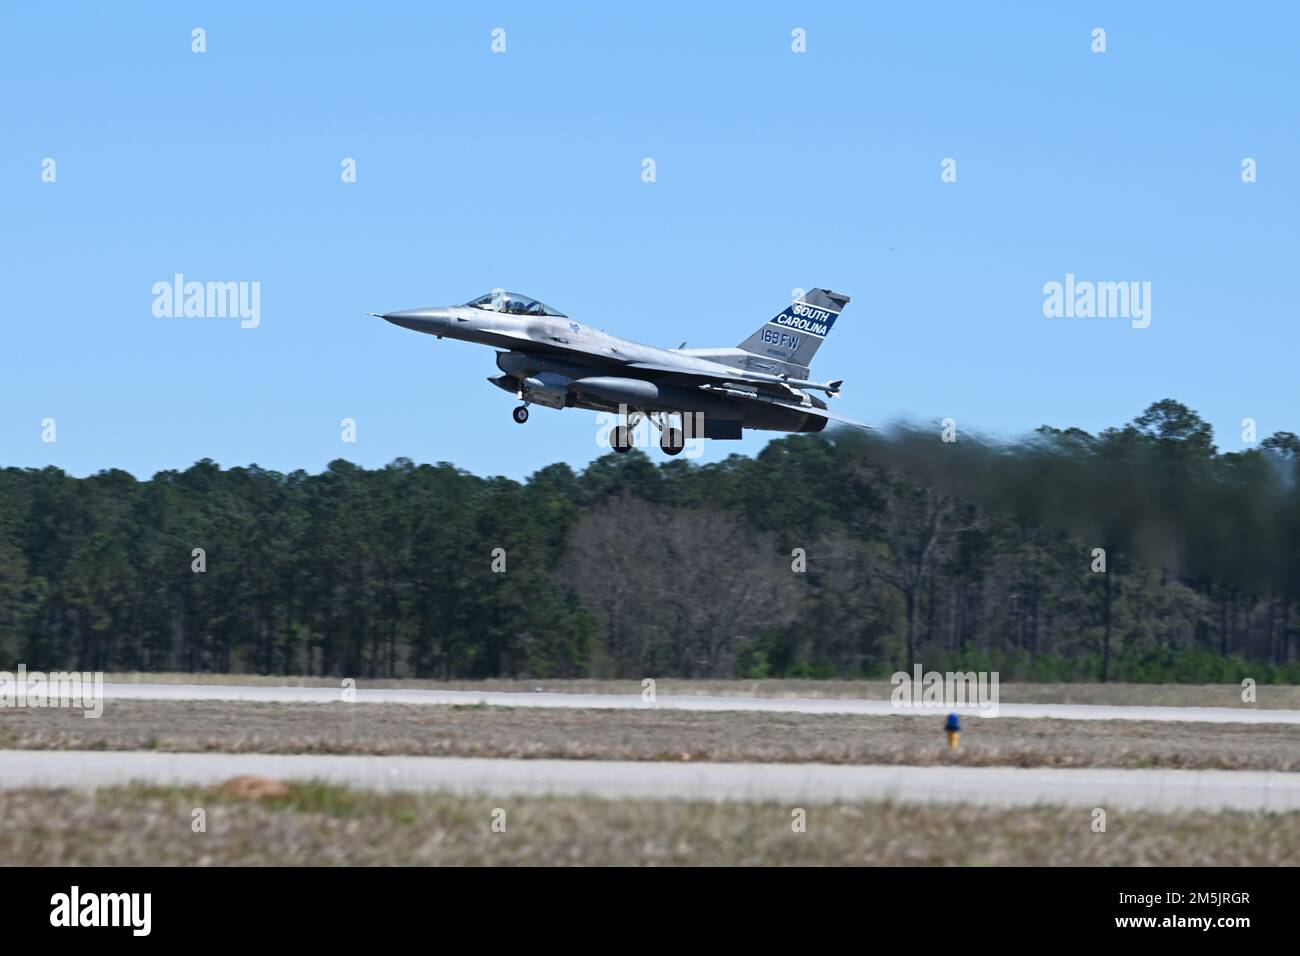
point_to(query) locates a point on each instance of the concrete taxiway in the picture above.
(793, 784)
(795, 705)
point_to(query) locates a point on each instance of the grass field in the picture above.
(1281, 697)
(317, 825)
(314, 824)
(477, 731)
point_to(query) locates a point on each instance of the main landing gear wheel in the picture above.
(521, 414)
(620, 439)
(672, 441)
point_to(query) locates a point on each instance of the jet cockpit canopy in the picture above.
(514, 304)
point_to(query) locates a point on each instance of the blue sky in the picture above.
(522, 170)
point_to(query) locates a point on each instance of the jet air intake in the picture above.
(522, 365)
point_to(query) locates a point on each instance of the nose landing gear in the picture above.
(520, 414)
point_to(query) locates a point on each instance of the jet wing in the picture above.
(721, 376)
(706, 372)
(696, 376)
(559, 348)
(685, 372)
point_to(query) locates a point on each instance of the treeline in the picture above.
(1141, 553)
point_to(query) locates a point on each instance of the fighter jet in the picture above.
(548, 359)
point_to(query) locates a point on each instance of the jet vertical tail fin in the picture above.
(787, 342)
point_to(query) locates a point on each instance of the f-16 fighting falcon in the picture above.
(548, 359)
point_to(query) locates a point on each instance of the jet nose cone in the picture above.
(419, 320)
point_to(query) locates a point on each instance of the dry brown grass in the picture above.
(245, 727)
(318, 825)
(1285, 697)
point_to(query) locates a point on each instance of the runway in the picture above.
(793, 784)
(793, 705)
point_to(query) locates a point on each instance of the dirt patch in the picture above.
(251, 788)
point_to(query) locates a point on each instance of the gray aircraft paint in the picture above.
(552, 360)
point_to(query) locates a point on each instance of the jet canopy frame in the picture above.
(512, 303)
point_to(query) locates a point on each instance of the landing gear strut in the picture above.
(671, 440)
(520, 414)
(623, 437)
